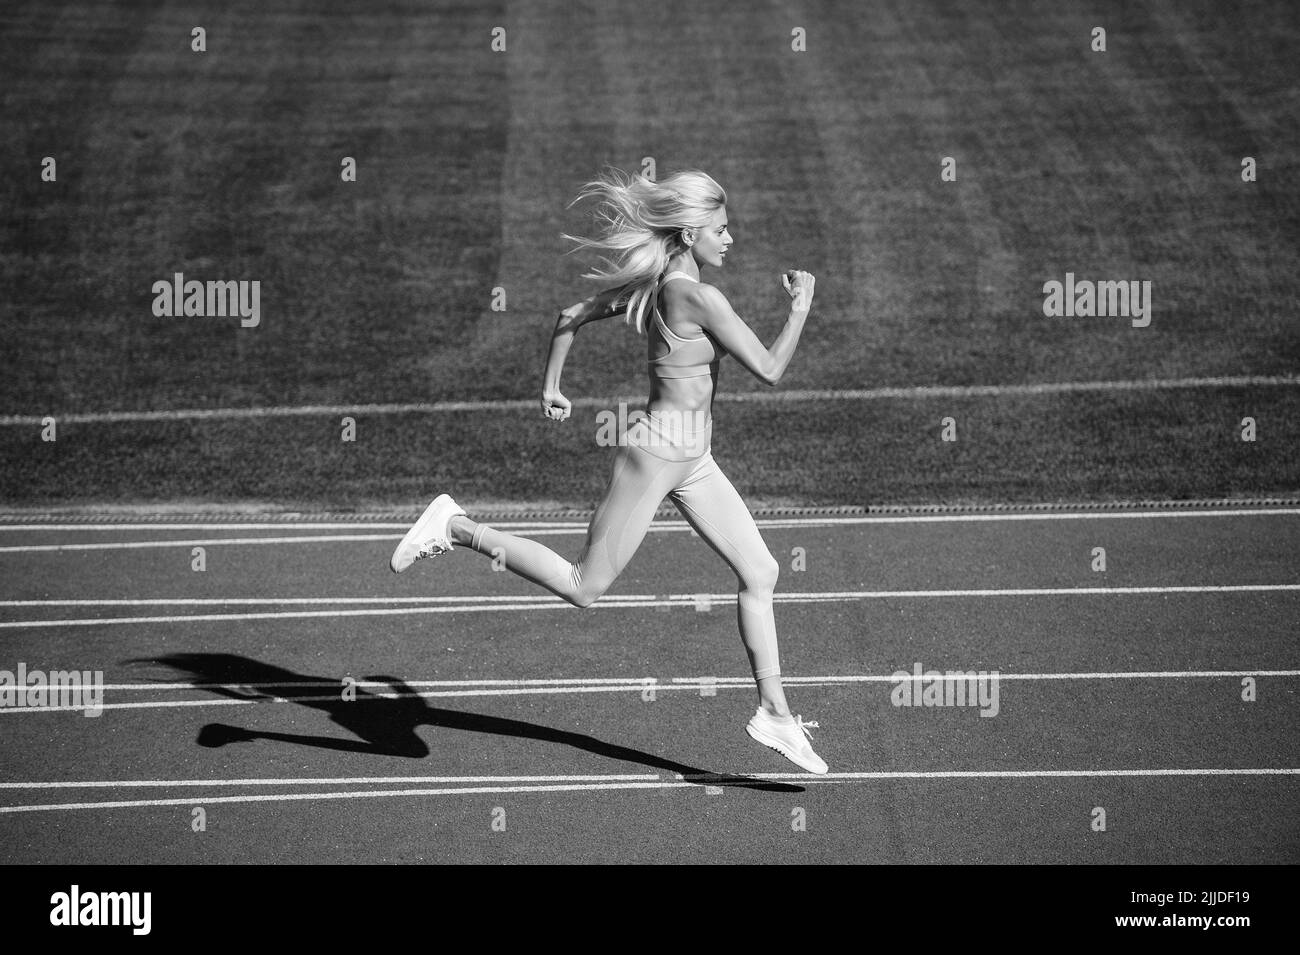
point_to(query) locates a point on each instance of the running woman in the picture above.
(661, 235)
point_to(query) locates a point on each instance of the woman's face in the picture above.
(712, 241)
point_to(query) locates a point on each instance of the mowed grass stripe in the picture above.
(541, 172)
(59, 66)
(1193, 156)
(228, 168)
(1024, 107)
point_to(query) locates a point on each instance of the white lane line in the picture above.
(474, 604)
(745, 682)
(689, 599)
(205, 542)
(402, 526)
(1030, 774)
(751, 397)
(612, 778)
(279, 601)
(694, 681)
(542, 528)
(330, 781)
(680, 782)
(555, 604)
(349, 794)
(366, 684)
(1071, 516)
(335, 697)
(255, 541)
(673, 599)
(541, 688)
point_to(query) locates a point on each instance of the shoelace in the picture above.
(432, 548)
(804, 726)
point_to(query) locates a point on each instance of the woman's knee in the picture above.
(588, 592)
(761, 574)
(583, 599)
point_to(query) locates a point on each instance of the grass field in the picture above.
(225, 165)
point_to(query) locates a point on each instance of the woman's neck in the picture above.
(684, 262)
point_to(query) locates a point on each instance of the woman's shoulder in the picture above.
(694, 291)
(696, 309)
(701, 298)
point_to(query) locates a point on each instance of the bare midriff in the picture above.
(683, 395)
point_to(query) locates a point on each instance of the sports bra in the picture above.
(686, 357)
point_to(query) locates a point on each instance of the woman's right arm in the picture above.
(599, 306)
(712, 312)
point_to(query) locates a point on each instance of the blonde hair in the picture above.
(642, 222)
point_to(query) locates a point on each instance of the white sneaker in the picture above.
(429, 537)
(786, 736)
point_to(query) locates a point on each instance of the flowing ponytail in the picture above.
(641, 225)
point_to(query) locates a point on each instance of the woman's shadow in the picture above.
(385, 725)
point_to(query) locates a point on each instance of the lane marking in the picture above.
(332, 698)
(557, 604)
(619, 777)
(744, 682)
(206, 542)
(751, 397)
(683, 599)
(1035, 774)
(326, 781)
(680, 782)
(580, 527)
(400, 526)
(478, 605)
(1067, 516)
(691, 681)
(273, 601)
(544, 688)
(348, 794)
(337, 684)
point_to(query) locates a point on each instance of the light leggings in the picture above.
(657, 458)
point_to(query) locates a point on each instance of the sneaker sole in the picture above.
(419, 532)
(771, 742)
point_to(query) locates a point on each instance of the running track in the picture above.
(589, 733)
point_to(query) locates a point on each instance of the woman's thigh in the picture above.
(712, 505)
(638, 483)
